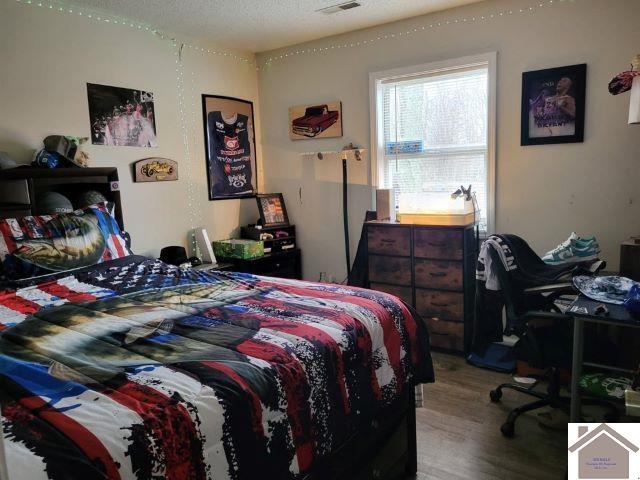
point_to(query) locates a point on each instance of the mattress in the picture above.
(134, 369)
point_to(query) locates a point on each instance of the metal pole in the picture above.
(576, 368)
(345, 213)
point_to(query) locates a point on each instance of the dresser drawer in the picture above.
(444, 334)
(438, 243)
(403, 293)
(389, 240)
(438, 274)
(396, 270)
(440, 305)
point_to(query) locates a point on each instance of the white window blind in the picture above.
(435, 133)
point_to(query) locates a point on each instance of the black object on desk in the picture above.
(630, 259)
(583, 310)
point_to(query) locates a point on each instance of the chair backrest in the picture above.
(508, 289)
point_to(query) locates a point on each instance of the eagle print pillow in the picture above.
(37, 245)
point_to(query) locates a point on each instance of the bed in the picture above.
(135, 369)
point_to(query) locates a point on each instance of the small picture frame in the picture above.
(553, 105)
(273, 212)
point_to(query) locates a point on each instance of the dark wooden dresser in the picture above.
(431, 268)
(284, 264)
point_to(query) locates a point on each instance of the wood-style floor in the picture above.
(459, 430)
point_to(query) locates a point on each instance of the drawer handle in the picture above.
(437, 244)
(388, 240)
(436, 304)
(438, 274)
(277, 265)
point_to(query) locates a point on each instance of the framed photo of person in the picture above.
(553, 105)
(273, 212)
(230, 147)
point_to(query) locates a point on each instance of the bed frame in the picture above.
(382, 448)
(20, 187)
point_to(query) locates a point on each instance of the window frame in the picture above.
(376, 80)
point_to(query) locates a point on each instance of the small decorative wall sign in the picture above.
(155, 169)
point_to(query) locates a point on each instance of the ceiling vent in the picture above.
(339, 7)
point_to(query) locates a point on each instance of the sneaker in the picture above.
(577, 240)
(573, 250)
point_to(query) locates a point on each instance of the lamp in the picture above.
(634, 106)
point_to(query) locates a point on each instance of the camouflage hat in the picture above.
(65, 146)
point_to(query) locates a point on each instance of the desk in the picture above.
(582, 310)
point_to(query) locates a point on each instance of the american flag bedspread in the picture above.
(134, 369)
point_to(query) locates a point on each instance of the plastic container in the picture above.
(435, 208)
(632, 402)
(238, 248)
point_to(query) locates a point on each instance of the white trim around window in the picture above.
(376, 79)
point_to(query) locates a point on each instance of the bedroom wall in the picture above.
(46, 59)
(543, 192)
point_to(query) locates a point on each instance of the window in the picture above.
(433, 130)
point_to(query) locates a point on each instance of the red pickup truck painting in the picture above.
(316, 120)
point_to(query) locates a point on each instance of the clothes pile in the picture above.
(574, 249)
(524, 269)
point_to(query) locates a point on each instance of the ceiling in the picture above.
(259, 25)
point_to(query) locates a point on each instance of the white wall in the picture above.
(46, 60)
(543, 192)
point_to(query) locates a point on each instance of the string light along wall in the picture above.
(186, 109)
(268, 63)
(483, 18)
(197, 196)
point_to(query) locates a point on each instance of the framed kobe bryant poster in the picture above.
(553, 104)
(230, 148)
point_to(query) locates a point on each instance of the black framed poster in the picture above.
(553, 105)
(230, 148)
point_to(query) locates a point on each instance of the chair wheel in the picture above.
(495, 395)
(508, 429)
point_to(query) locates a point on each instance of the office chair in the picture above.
(544, 334)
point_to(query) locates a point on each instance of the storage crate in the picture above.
(238, 248)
